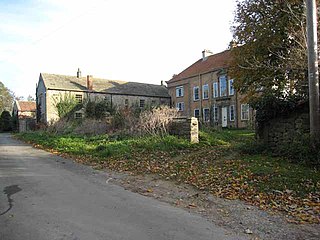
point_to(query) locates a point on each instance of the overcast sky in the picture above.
(132, 40)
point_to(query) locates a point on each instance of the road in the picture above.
(43, 196)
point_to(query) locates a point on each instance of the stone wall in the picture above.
(185, 127)
(283, 129)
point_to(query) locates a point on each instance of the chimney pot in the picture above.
(78, 73)
(89, 82)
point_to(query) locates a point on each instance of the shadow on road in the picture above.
(9, 191)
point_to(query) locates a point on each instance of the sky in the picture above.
(132, 40)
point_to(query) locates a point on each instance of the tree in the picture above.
(6, 98)
(30, 98)
(269, 50)
(5, 121)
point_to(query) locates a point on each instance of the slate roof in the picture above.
(63, 82)
(213, 62)
(27, 106)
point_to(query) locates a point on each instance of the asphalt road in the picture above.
(43, 196)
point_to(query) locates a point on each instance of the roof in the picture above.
(63, 82)
(213, 62)
(27, 106)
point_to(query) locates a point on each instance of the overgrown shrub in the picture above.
(92, 127)
(98, 110)
(67, 105)
(5, 121)
(126, 119)
(301, 150)
(157, 120)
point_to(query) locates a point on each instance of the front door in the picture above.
(224, 115)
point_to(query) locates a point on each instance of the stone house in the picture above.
(24, 114)
(205, 90)
(51, 87)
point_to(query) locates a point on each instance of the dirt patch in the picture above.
(234, 215)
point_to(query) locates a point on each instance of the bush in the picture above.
(157, 120)
(98, 110)
(301, 150)
(67, 105)
(5, 121)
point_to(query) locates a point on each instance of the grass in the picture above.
(226, 163)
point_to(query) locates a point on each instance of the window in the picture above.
(179, 91)
(196, 93)
(206, 115)
(180, 106)
(223, 86)
(215, 113)
(142, 103)
(78, 115)
(231, 113)
(153, 102)
(205, 91)
(215, 90)
(244, 111)
(231, 89)
(126, 102)
(197, 113)
(79, 98)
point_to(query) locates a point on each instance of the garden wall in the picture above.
(283, 129)
(185, 127)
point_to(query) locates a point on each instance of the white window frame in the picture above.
(194, 112)
(194, 93)
(225, 92)
(180, 106)
(179, 91)
(246, 112)
(205, 88)
(215, 113)
(234, 113)
(215, 90)
(231, 88)
(204, 115)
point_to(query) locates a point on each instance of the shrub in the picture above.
(98, 110)
(67, 105)
(92, 127)
(5, 121)
(157, 120)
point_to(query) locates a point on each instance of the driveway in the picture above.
(43, 196)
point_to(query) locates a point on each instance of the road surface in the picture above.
(43, 196)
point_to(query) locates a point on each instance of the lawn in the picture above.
(217, 165)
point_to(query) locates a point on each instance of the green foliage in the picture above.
(98, 110)
(270, 107)
(6, 98)
(66, 105)
(271, 50)
(301, 150)
(5, 121)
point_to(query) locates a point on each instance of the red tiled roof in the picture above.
(216, 61)
(27, 106)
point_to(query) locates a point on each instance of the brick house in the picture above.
(204, 90)
(50, 87)
(24, 114)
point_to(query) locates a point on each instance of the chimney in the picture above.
(205, 54)
(89, 82)
(78, 73)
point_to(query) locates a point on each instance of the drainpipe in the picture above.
(200, 97)
(237, 113)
